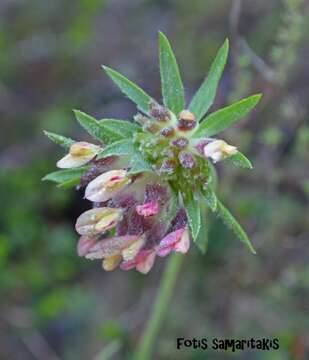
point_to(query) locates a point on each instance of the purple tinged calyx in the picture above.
(186, 160)
(159, 112)
(180, 142)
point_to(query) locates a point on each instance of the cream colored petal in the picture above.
(106, 185)
(229, 150)
(213, 147)
(218, 150)
(111, 246)
(131, 251)
(87, 222)
(108, 221)
(69, 161)
(110, 263)
(217, 156)
(80, 154)
(84, 149)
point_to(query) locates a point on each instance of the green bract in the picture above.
(171, 141)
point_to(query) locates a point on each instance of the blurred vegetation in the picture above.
(54, 305)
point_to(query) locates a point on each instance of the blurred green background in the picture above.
(54, 305)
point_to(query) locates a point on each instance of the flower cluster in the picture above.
(148, 180)
(134, 207)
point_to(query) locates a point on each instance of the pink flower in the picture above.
(142, 262)
(177, 240)
(84, 244)
(148, 209)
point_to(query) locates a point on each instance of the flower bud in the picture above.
(151, 126)
(159, 112)
(97, 221)
(80, 154)
(180, 142)
(219, 150)
(186, 120)
(186, 160)
(105, 186)
(167, 131)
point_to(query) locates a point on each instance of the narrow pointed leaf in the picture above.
(96, 128)
(69, 184)
(223, 118)
(210, 197)
(193, 213)
(90, 124)
(131, 90)
(62, 176)
(205, 96)
(233, 224)
(59, 139)
(240, 160)
(202, 238)
(121, 128)
(118, 148)
(172, 87)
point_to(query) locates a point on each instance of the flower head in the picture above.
(149, 180)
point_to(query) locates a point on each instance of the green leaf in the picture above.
(202, 238)
(193, 213)
(172, 87)
(69, 184)
(241, 160)
(173, 207)
(210, 197)
(59, 139)
(232, 223)
(205, 96)
(118, 148)
(133, 91)
(223, 118)
(139, 164)
(121, 128)
(66, 176)
(92, 126)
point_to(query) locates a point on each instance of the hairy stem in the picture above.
(159, 309)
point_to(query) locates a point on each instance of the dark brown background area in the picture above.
(54, 305)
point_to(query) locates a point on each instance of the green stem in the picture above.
(160, 307)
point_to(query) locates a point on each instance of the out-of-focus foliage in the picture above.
(54, 304)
